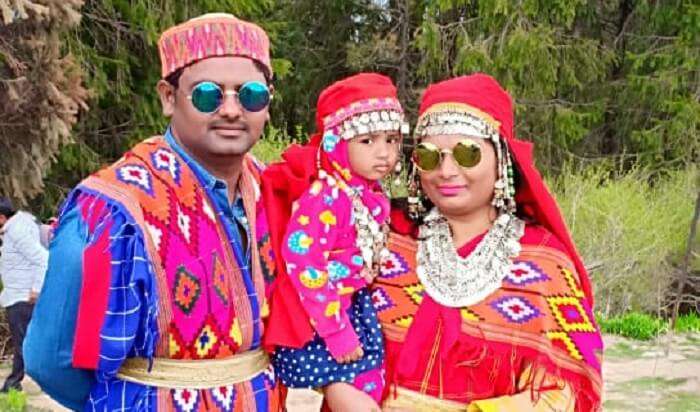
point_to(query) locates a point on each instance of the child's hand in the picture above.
(368, 275)
(356, 354)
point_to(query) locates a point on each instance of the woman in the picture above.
(484, 303)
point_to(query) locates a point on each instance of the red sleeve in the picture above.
(97, 266)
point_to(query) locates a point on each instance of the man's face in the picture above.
(231, 130)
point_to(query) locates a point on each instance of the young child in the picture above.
(336, 236)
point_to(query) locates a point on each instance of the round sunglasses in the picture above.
(207, 97)
(427, 156)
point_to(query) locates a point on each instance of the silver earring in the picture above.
(397, 173)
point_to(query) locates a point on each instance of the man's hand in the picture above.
(343, 397)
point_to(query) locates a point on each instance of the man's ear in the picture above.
(166, 92)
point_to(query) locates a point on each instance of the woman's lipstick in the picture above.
(451, 190)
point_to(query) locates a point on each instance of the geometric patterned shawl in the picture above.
(539, 316)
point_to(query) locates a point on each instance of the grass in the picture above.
(13, 401)
(681, 401)
(633, 227)
(652, 394)
(651, 383)
(642, 326)
(624, 350)
(634, 325)
(688, 323)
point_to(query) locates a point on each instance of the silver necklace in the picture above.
(371, 237)
(454, 281)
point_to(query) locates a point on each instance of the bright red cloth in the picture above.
(482, 351)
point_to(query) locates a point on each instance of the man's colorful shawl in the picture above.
(539, 320)
(206, 295)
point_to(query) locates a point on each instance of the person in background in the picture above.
(23, 262)
(46, 231)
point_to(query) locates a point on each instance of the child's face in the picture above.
(373, 156)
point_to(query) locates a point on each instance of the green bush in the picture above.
(13, 401)
(631, 227)
(688, 323)
(269, 148)
(633, 325)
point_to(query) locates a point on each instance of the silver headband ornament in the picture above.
(465, 121)
(373, 122)
(367, 116)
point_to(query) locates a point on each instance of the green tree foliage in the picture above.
(116, 44)
(40, 91)
(591, 79)
(618, 79)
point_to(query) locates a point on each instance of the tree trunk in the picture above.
(685, 266)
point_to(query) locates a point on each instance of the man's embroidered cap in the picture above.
(212, 35)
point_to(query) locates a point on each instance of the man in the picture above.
(155, 293)
(22, 265)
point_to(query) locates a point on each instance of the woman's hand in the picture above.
(343, 397)
(353, 356)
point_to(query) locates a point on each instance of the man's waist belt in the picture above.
(195, 374)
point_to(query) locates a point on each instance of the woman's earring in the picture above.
(415, 196)
(397, 173)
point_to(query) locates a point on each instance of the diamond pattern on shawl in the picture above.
(515, 309)
(185, 400)
(570, 314)
(394, 265)
(224, 397)
(523, 272)
(136, 175)
(165, 160)
(207, 343)
(219, 279)
(186, 290)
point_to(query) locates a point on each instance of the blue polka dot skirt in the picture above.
(313, 366)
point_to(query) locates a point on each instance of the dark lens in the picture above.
(426, 157)
(206, 97)
(467, 153)
(254, 96)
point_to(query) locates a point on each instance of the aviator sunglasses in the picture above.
(207, 97)
(427, 156)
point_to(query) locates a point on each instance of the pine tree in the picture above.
(41, 91)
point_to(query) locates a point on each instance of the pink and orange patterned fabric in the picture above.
(212, 35)
(323, 262)
(205, 309)
(539, 323)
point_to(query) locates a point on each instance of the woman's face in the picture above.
(455, 190)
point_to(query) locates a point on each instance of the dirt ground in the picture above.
(639, 376)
